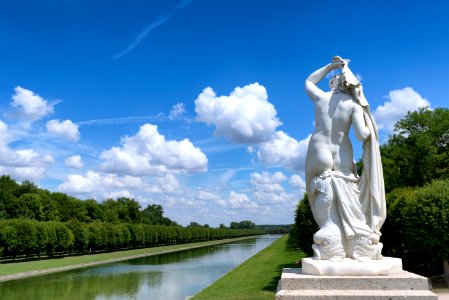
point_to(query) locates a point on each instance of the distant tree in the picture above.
(246, 224)
(234, 225)
(193, 225)
(94, 211)
(69, 207)
(222, 226)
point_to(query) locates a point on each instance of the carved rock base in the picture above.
(352, 267)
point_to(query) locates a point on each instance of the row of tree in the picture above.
(25, 237)
(416, 171)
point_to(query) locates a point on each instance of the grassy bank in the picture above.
(257, 277)
(11, 271)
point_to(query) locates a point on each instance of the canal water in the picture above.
(167, 276)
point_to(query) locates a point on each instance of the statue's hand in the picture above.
(339, 59)
(336, 65)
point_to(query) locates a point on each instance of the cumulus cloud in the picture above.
(23, 163)
(264, 182)
(399, 103)
(237, 200)
(244, 117)
(177, 110)
(66, 130)
(30, 105)
(283, 150)
(148, 152)
(74, 162)
(94, 182)
(268, 189)
(205, 195)
(297, 182)
(100, 185)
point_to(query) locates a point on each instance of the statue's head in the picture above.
(335, 83)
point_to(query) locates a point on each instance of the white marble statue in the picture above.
(349, 209)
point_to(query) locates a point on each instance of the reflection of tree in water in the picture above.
(84, 287)
(176, 257)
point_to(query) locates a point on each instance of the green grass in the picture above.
(256, 278)
(78, 261)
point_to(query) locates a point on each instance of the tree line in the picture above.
(416, 172)
(35, 222)
(26, 237)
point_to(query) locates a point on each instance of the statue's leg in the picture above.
(328, 242)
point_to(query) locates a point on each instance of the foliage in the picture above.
(275, 229)
(30, 202)
(304, 227)
(246, 224)
(29, 237)
(417, 225)
(418, 152)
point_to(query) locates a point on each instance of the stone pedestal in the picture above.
(294, 284)
(351, 267)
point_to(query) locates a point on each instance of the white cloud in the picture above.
(148, 152)
(205, 195)
(65, 130)
(237, 200)
(23, 173)
(98, 183)
(118, 194)
(244, 117)
(4, 134)
(101, 186)
(74, 162)
(284, 150)
(30, 105)
(22, 163)
(400, 102)
(177, 110)
(169, 184)
(268, 189)
(264, 182)
(297, 182)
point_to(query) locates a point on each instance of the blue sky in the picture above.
(198, 105)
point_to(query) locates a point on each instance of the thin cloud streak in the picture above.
(159, 21)
(125, 120)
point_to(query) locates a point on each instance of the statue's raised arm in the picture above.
(310, 85)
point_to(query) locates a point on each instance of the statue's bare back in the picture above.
(330, 148)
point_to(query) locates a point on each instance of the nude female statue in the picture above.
(341, 209)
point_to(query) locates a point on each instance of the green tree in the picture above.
(304, 227)
(8, 191)
(81, 235)
(418, 152)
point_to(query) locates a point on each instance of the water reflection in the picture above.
(167, 276)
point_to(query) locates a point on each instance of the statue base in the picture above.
(294, 284)
(351, 267)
